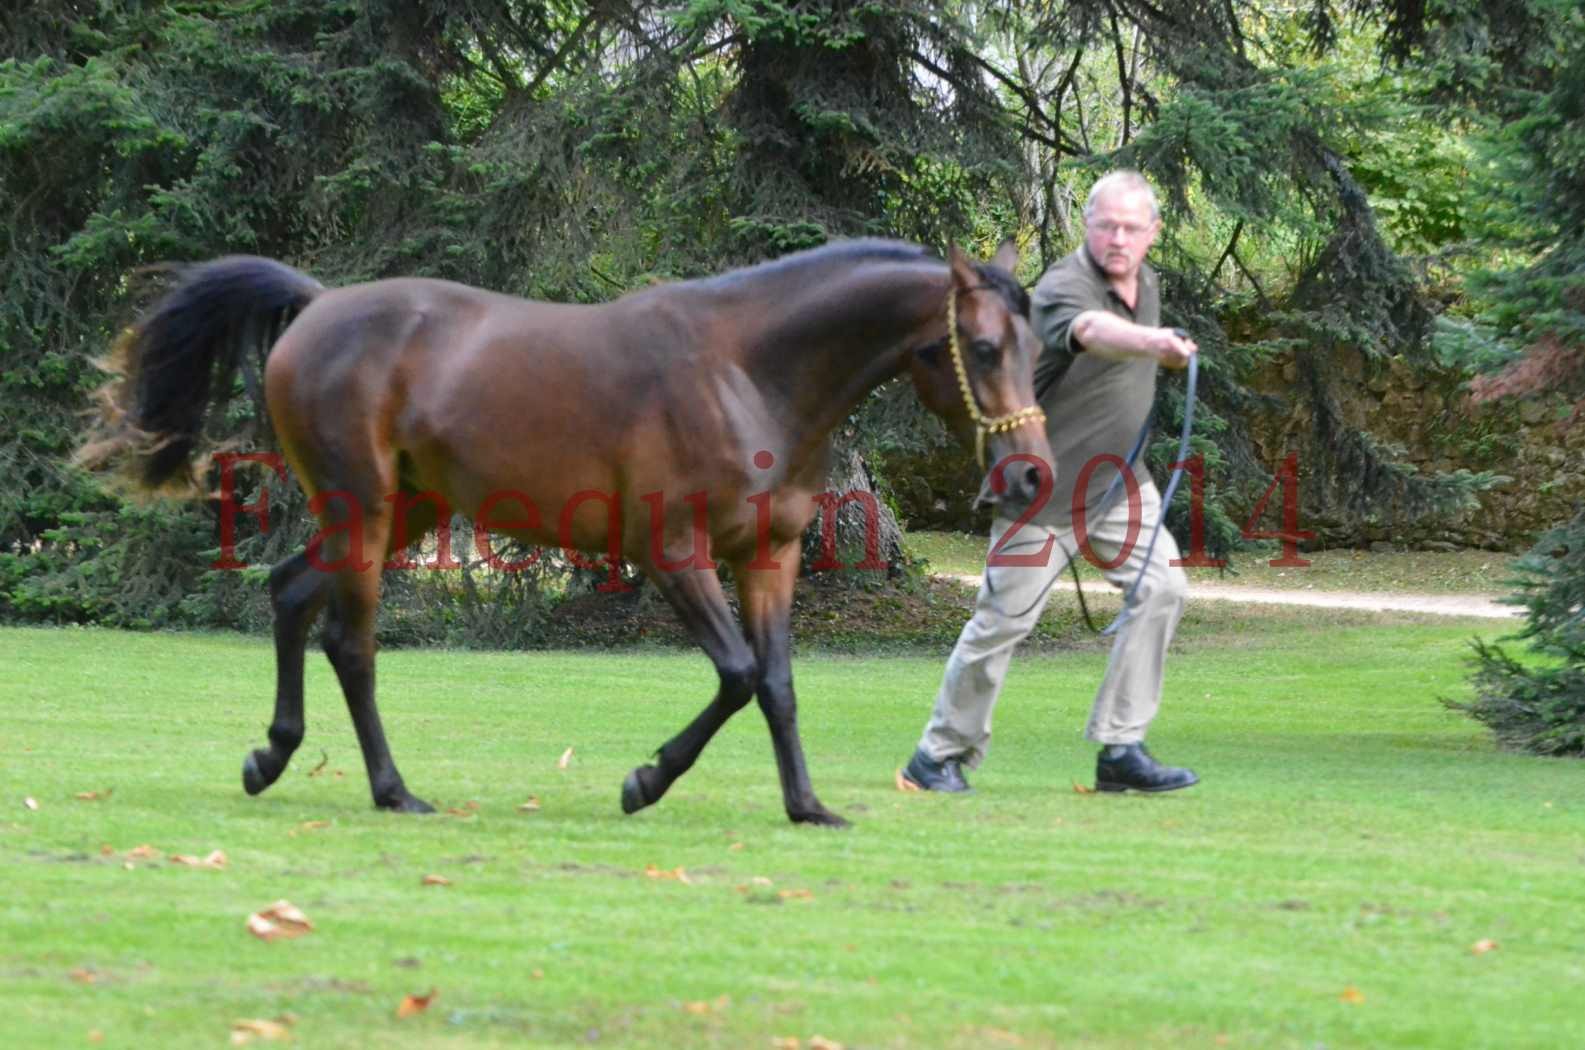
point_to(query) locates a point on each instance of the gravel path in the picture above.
(1478, 605)
(1440, 604)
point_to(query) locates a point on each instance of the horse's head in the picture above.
(979, 376)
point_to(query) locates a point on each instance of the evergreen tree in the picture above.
(1538, 705)
(1516, 73)
(572, 151)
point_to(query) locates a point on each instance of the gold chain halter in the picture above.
(982, 426)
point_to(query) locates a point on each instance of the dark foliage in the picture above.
(1538, 705)
(574, 151)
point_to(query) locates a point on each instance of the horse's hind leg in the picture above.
(297, 593)
(697, 597)
(349, 643)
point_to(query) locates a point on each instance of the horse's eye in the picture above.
(985, 350)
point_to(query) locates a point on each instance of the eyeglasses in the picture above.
(1133, 232)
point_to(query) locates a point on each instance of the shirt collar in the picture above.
(1147, 276)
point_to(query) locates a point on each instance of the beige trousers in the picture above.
(1009, 605)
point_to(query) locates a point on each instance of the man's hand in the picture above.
(1172, 347)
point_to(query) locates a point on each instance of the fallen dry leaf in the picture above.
(1352, 995)
(530, 806)
(144, 852)
(94, 796)
(536, 975)
(565, 760)
(903, 783)
(415, 1004)
(215, 861)
(795, 895)
(245, 1032)
(696, 1007)
(280, 921)
(661, 873)
(31, 803)
(1481, 947)
(1082, 789)
(436, 880)
(467, 809)
(95, 1035)
(786, 1042)
(310, 825)
(105, 849)
(735, 846)
(821, 1043)
(84, 975)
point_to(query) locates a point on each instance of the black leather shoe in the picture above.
(1133, 768)
(927, 774)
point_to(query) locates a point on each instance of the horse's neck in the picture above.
(823, 344)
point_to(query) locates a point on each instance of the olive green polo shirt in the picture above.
(1094, 406)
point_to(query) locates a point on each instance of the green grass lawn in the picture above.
(1324, 886)
(1424, 572)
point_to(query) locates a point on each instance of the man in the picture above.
(1098, 313)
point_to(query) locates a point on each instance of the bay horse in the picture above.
(688, 415)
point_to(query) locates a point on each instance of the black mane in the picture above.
(829, 254)
(1002, 281)
(864, 249)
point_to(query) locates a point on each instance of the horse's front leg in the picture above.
(297, 594)
(767, 617)
(697, 597)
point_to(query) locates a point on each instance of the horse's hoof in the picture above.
(634, 797)
(820, 818)
(405, 803)
(253, 778)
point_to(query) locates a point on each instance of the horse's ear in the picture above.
(1007, 256)
(962, 270)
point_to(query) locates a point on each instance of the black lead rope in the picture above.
(1166, 497)
(1071, 556)
(1161, 519)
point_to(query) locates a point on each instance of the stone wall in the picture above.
(1423, 414)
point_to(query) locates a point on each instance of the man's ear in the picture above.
(1007, 256)
(963, 275)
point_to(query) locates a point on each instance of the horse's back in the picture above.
(407, 333)
(479, 392)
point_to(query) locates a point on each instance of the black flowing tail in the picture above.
(181, 358)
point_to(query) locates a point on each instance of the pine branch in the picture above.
(1125, 82)
(1216, 271)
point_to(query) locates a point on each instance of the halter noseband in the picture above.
(982, 425)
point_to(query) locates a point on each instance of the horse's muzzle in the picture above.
(1015, 482)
